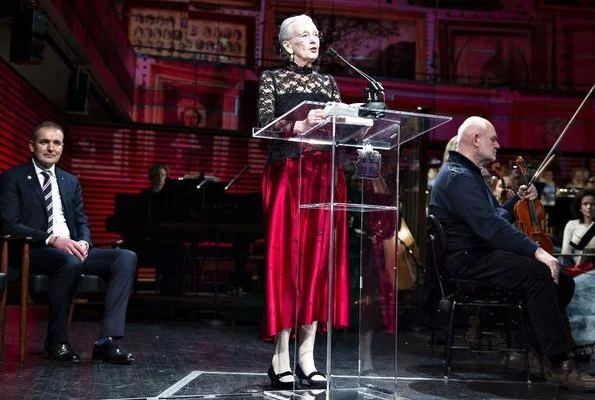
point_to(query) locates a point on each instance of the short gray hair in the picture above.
(285, 34)
(44, 125)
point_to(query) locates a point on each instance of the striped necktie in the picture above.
(47, 195)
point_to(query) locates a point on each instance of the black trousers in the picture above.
(545, 299)
(117, 266)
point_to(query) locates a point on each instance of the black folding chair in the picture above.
(472, 293)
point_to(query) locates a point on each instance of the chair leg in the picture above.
(23, 320)
(4, 269)
(449, 340)
(525, 352)
(2, 322)
(24, 302)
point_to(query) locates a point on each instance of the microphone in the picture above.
(373, 82)
(235, 178)
(372, 92)
(202, 175)
(201, 184)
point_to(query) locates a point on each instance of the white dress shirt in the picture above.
(60, 226)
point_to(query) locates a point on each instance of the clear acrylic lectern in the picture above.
(363, 144)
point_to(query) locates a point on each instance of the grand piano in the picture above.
(160, 227)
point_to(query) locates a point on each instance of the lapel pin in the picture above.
(28, 176)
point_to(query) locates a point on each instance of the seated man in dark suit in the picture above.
(40, 200)
(482, 244)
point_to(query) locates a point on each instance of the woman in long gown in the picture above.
(297, 283)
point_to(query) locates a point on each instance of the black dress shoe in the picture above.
(61, 352)
(110, 352)
(276, 382)
(307, 381)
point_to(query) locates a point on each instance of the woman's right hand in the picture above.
(315, 117)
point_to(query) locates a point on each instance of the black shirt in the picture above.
(470, 214)
(282, 89)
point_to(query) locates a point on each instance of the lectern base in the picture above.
(363, 393)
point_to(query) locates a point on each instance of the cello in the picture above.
(530, 215)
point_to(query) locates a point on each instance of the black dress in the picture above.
(298, 240)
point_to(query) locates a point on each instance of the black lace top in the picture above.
(284, 88)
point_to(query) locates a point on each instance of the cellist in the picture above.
(483, 244)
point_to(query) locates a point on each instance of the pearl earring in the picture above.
(291, 57)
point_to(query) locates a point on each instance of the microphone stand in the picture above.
(201, 183)
(373, 92)
(235, 178)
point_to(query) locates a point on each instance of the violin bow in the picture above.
(542, 168)
(547, 157)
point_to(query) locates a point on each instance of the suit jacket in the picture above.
(22, 207)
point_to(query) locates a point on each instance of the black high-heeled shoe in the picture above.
(316, 394)
(307, 380)
(276, 382)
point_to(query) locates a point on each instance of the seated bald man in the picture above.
(483, 244)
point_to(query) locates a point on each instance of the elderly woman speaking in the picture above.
(297, 284)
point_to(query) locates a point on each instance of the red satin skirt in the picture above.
(298, 241)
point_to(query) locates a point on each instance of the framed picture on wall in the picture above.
(221, 38)
(173, 31)
(381, 44)
(154, 30)
(492, 55)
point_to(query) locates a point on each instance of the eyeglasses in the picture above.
(308, 36)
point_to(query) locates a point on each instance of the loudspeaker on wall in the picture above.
(27, 39)
(78, 92)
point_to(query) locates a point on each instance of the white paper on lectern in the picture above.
(347, 114)
(342, 109)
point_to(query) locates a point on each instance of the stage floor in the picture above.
(177, 359)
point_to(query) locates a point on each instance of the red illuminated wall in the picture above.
(22, 109)
(111, 161)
